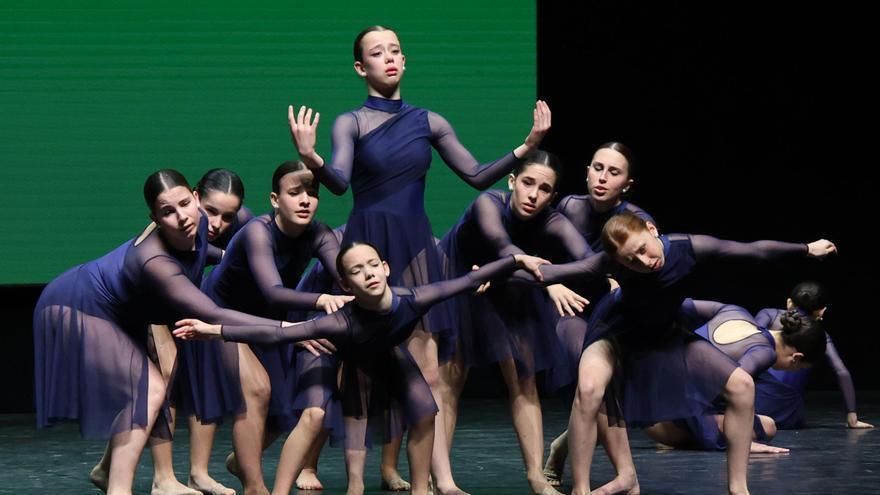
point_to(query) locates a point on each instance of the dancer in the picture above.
(780, 394)
(263, 263)
(513, 326)
(368, 335)
(383, 150)
(637, 326)
(91, 332)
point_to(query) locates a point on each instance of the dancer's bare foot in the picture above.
(626, 482)
(762, 448)
(355, 488)
(555, 465)
(99, 477)
(208, 485)
(541, 486)
(395, 484)
(172, 487)
(232, 465)
(453, 491)
(308, 480)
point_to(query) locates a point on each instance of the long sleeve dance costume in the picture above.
(383, 151)
(509, 321)
(780, 394)
(91, 324)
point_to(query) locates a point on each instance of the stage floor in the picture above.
(825, 458)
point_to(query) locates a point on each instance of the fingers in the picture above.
(309, 347)
(327, 345)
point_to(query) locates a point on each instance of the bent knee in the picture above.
(768, 425)
(313, 416)
(740, 387)
(589, 393)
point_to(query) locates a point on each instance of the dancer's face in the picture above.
(383, 60)
(221, 209)
(608, 176)
(176, 212)
(532, 190)
(365, 274)
(642, 252)
(297, 198)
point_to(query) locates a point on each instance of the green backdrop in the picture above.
(95, 96)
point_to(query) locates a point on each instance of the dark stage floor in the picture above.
(826, 458)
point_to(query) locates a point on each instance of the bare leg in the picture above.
(164, 480)
(249, 428)
(126, 447)
(669, 434)
(555, 465)
(739, 391)
(525, 407)
(297, 447)
(594, 374)
(616, 443)
(99, 474)
(355, 431)
(391, 479)
(419, 447)
(453, 376)
(756, 447)
(308, 475)
(423, 347)
(201, 441)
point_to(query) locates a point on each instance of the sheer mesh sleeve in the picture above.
(488, 216)
(707, 247)
(562, 233)
(336, 174)
(258, 245)
(426, 296)
(164, 276)
(757, 359)
(593, 266)
(215, 255)
(765, 317)
(335, 327)
(244, 216)
(844, 379)
(460, 160)
(326, 246)
(695, 312)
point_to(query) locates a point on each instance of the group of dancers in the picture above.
(376, 339)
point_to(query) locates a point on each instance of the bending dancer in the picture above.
(513, 326)
(220, 194)
(383, 150)
(91, 340)
(661, 366)
(780, 394)
(609, 179)
(799, 343)
(263, 263)
(368, 335)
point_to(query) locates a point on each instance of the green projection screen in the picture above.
(95, 96)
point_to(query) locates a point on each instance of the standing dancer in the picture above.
(513, 326)
(263, 263)
(383, 150)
